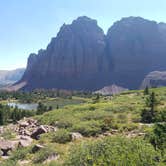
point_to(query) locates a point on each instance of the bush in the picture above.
(43, 154)
(113, 152)
(158, 137)
(88, 128)
(61, 136)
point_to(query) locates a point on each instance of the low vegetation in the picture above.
(125, 129)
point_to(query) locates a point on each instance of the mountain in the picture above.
(75, 59)
(154, 79)
(111, 90)
(8, 77)
(137, 47)
(82, 57)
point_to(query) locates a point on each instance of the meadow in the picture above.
(112, 128)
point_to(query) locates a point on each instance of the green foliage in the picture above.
(113, 151)
(61, 136)
(41, 108)
(89, 128)
(148, 115)
(146, 91)
(158, 137)
(43, 154)
(8, 134)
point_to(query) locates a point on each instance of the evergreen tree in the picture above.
(146, 91)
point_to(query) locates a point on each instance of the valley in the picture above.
(78, 128)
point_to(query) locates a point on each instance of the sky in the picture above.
(28, 25)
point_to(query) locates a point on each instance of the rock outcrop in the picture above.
(111, 90)
(137, 47)
(75, 59)
(154, 79)
(81, 57)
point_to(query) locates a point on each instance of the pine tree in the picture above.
(146, 91)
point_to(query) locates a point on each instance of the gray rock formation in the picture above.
(81, 57)
(137, 47)
(154, 79)
(111, 90)
(75, 59)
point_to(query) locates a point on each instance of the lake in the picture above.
(23, 106)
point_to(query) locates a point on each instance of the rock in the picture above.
(23, 162)
(40, 130)
(137, 47)
(6, 146)
(75, 59)
(23, 124)
(111, 90)
(51, 158)
(81, 57)
(25, 141)
(154, 79)
(37, 147)
(76, 136)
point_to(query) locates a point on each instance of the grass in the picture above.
(92, 119)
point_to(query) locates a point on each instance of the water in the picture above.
(27, 106)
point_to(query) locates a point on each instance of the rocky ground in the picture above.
(28, 130)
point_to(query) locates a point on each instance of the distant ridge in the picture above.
(8, 77)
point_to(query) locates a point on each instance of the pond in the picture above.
(26, 106)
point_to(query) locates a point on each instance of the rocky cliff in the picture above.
(137, 47)
(81, 57)
(154, 79)
(75, 59)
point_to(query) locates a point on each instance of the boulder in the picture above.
(76, 136)
(25, 141)
(52, 157)
(6, 146)
(37, 132)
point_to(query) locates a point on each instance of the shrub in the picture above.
(158, 137)
(64, 123)
(43, 154)
(88, 128)
(61, 136)
(113, 151)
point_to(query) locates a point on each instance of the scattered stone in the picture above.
(25, 141)
(40, 130)
(6, 146)
(23, 162)
(76, 136)
(51, 158)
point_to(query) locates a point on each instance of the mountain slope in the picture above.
(10, 76)
(81, 57)
(137, 46)
(75, 59)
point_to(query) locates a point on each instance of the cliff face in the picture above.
(154, 79)
(75, 59)
(137, 46)
(81, 57)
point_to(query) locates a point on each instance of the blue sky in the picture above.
(28, 25)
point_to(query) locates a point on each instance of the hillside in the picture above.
(98, 130)
(9, 77)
